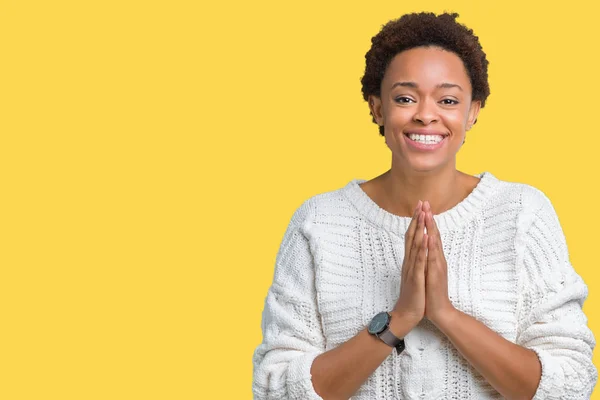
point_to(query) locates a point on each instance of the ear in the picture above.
(375, 107)
(473, 113)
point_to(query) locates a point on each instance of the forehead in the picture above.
(426, 66)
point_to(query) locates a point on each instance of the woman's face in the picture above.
(426, 92)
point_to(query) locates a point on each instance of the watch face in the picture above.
(378, 323)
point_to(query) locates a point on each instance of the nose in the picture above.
(425, 112)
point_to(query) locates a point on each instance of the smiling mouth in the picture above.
(425, 139)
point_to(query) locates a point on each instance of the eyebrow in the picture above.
(414, 85)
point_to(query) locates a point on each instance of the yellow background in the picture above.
(153, 152)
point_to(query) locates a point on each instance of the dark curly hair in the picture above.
(425, 29)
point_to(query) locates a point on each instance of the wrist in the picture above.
(400, 324)
(446, 319)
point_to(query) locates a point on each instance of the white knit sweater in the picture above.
(508, 266)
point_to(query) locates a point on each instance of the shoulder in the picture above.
(524, 199)
(522, 195)
(319, 207)
(537, 208)
(539, 232)
(535, 200)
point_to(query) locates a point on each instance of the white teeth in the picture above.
(427, 139)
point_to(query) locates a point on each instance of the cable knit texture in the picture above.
(508, 266)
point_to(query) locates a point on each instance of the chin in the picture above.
(426, 165)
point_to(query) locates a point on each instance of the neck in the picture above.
(403, 189)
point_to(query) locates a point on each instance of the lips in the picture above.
(426, 131)
(417, 146)
(416, 132)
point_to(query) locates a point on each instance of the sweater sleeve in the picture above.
(291, 324)
(551, 321)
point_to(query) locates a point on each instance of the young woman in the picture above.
(425, 282)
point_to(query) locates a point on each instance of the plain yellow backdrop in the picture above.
(153, 152)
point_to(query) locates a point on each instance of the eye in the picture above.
(449, 102)
(403, 100)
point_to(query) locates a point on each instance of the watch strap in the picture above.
(392, 340)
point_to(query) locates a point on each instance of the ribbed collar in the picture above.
(449, 220)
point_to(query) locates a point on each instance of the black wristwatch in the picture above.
(379, 327)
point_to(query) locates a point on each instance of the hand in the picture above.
(438, 305)
(410, 306)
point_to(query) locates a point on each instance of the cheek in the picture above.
(455, 120)
(399, 117)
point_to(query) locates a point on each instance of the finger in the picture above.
(433, 255)
(428, 223)
(436, 232)
(438, 243)
(431, 225)
(440, 259)
(427, 209)
(436, 256)
(418, 238)
(408, 240)
(412, 227)
(421, 261)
